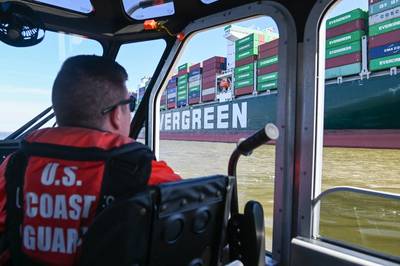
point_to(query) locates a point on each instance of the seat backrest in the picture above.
(179, 223)
(120, 234)
(190, 222)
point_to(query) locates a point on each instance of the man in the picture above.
(70, 173)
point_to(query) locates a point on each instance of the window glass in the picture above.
(137, 9)
(224, 88)
(360, 44)
(83, 6)
(208, 1)
(367, 221)
(140, 61)
(28, 74)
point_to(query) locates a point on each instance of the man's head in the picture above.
(86, 85)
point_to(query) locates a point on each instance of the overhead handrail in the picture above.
(245, 147)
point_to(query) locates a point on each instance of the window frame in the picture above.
(309, 145)
(284, 166)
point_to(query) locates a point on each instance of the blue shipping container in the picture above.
(172, 81)
(382, 6)
(195, 72)
(386, 50)
(171, 90)
(182, 103)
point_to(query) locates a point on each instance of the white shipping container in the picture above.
(194, 83)
(230, 55)
(384, 16)
(195, 78)
(208, 91)
(171, 95)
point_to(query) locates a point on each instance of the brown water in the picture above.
(361, 220)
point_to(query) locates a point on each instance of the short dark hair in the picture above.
(84, 86)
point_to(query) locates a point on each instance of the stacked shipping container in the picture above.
(171, 92)
(195, 83)
(267, 67)
(343, 44)
(257, 61)
(182, 91)
(246, 51)
(384, 34)
(163, 101)
(211, 67)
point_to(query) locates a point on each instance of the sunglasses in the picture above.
(131, 101)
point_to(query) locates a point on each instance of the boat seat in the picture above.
(178, 223)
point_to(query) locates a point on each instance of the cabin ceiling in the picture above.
(109, 20)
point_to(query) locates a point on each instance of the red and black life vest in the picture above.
(55, 191)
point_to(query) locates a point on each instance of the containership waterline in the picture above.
(223, 99)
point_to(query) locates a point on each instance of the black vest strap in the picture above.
(127, 173)
(15, 173)
(127, 170)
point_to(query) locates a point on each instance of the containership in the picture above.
(226, 98)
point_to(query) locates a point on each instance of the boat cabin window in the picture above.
(360, 148)
(208, 1)
(223, 88)
(28, 74)
(140, 60)
(139, 10)
(82, 6)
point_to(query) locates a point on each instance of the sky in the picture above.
(27, 74)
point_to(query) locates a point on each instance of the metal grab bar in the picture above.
(386, 195)
(245, 147)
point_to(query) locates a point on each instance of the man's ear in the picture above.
(115, 118)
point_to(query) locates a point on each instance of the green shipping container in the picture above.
(267, 61)
(195, 88)
(244, 83)
(345, 38)
(384, 27)
(246, 53)
(245, 47)
(244, 68)
(342, 71)
(182, 82)
(346, 17)
(183, 77)
(244, 75)
(182, 96)
(270, 85)
(183, 67)
(267, 77)
(252, 38)
(182, 87)
(343, 49)
(384, 62)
